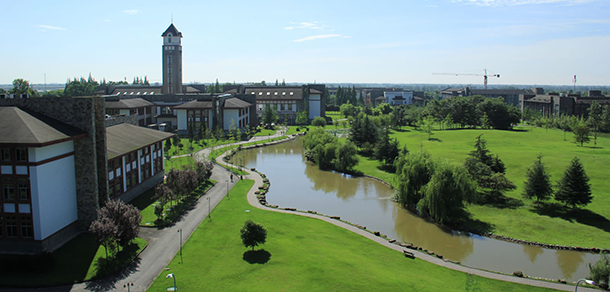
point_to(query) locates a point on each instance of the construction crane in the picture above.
(468, 74)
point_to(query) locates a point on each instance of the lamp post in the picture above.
(180, 231)
(127, 286)
(583, 280)
(227, 188)
(209, 208)
(171, 276)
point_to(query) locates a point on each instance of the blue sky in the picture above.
(526, 41)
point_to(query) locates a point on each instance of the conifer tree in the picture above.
(538, 183)
(573, 189)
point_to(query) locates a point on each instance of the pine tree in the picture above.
(538, 183)
(573, 189)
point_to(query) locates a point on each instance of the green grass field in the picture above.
(518, 149)
(302, 254)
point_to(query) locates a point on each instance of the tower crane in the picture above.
(468, 74)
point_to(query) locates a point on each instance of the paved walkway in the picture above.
(258, 181)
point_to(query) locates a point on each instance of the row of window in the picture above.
(280, 107)
(13, 189)
(14, 154)
(14, 229)
(115, 184)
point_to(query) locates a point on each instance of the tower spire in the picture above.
(172, 18)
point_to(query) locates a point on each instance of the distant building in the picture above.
(288, 100)
(554, 104)
(510, 96)
(398, 97)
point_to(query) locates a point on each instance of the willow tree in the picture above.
(446, 193)
(413, 171)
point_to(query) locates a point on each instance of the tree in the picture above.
(118, 223)
(600, 272)
(428, 126)
(301, 118)
(22, 86)
(573, 188)
(270, 114)
(204, 170)
(581, 133)
(386, 150)
(538, 183)
(346, 156)
(347, 109)
(168, 145)
(445, 194)
(253, 234)
(318, 122)
(413, 171)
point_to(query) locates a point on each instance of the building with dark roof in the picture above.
(59, 163)
(510, 96)
(289, 100)
(563, 104)
(131, 107)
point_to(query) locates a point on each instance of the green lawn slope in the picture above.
(302, 254)
(518, 149)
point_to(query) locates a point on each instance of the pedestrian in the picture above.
(231, 177)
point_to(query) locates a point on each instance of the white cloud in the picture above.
(131, 12)
(306, 25)
(44, 26)
(520, 2)
(315, 37)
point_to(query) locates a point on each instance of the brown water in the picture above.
(300, 184)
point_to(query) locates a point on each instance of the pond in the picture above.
(299, 184)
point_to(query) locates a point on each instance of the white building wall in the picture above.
(37, 154)
(228, 115)
(53, 188)
(124, 112)
(182, 122)
(314, 106)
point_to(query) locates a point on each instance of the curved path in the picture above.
(258, 181)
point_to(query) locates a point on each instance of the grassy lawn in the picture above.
(79, 260)
(293, 129)
(265, 132)
(302, 254)
(588, 227)
(334, 115)
(173, 209)
(178, 162)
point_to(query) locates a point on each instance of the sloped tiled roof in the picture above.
(124, 138)
(195, 104)
(25, 127)
(128, 103)
(173, 30)
(136, 90)
(236, 103)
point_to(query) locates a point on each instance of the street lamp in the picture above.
(180, 231)
(209, 208)
(583, 280)
(227, 188)
(127, 286)
(171, 276)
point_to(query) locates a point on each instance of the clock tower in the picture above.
(172, 61)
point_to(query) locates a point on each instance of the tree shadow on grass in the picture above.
(260, 256)
(501, 202)
(401, 130)
(389, 168)
(582, 216)
(435, 140)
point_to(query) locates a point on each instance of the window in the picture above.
(26, 229)
(11, 229)
(21, 154)
(134, 178)
(6, 154)
(111, 191)
(8, 190)
(128, 182)
(119, 189)
(23, 186)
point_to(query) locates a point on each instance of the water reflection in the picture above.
(568, 261)
(296, 183)
(532, 252)
(413, 229)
